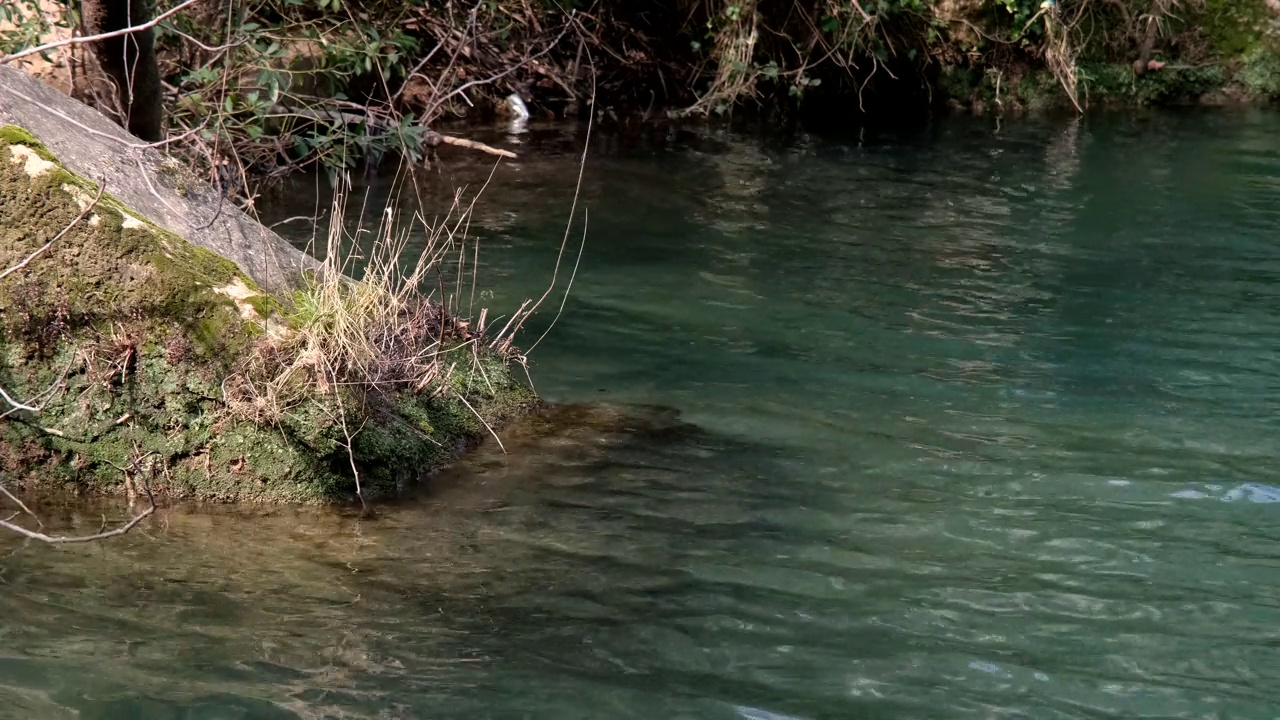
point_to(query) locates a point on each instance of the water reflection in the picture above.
(970, 424)
(324, 614)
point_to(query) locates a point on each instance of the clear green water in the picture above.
(972, 424)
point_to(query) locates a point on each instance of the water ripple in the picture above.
(974, 425)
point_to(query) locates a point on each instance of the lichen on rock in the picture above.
(125, 337)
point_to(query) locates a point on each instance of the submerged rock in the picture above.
(122, 347)
(561, 439)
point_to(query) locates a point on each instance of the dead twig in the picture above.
(95, 38)
(14, 499)
(70, 539)
(15, 404)
(515, 324)
(585, 223)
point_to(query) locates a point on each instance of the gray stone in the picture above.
(163, 191)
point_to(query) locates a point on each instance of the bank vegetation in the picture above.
(255, 89)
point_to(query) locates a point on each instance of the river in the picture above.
(975, 420)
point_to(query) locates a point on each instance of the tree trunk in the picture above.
(130, 61)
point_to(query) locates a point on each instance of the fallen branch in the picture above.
(436, 138)
(69, 539)
(432, 139)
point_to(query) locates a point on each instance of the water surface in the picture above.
(971, 422)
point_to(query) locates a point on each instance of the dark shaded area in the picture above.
(129, 60)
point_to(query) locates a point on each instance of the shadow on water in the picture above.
(319, 613)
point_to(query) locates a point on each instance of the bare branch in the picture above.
(69, 539)
(94, 38)
(15, 404)
(14, 499)
(573, 210)
(439, 102)
(474, 145)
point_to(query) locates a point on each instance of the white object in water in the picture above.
(518, 109)
(519, 113)
(750, 713)
(1252, 492)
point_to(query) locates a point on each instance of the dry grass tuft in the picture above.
(351, 338)
(354, 346)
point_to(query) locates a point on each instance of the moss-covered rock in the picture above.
(123, 336)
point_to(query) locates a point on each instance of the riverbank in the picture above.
(136, 362)
(283, 88)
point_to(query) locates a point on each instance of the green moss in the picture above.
(1040, 90)
(1035, 90)
(958, 82)
(1179, 84)
(141, 345)
(214, 266)
(220, 332)
(126, 321)
(14, 135)
(266, 306)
